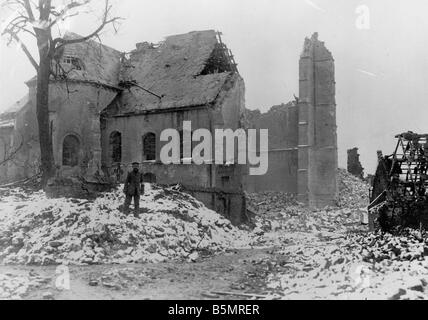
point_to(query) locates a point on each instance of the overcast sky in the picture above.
(381, 72)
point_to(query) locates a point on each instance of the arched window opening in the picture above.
(149, 146)
(116, 146)
(70, 151)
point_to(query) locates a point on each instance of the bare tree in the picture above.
(38, 19)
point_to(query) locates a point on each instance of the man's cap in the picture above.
(135, 163)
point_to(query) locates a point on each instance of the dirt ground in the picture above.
(291, 265)
(231, 271)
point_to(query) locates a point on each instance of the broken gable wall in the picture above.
(281, 121)
(302, 137)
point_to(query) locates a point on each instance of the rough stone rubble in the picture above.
(14, 287)
(317, 254)
(41, 231)
(333, 256)
(280, 211)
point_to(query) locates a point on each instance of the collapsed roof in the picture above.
(185, 70)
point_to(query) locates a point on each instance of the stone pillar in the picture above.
(317, 147)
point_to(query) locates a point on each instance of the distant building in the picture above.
(354, 164)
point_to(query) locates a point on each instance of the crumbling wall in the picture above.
(354, 165)
(302, 134)
(317, 155)
(281, 121)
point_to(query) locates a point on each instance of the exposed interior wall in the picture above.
(281, 121)
(302, 135)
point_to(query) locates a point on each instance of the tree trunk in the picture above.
(42, 107)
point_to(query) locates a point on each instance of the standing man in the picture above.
(133, 188)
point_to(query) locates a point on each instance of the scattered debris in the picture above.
(240, 294)
(48, 296)
(210, 295)
(16, 287)
(36, 230)
(93, 283)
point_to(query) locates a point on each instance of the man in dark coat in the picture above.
(134, 187)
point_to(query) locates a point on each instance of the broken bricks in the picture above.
(79, 236)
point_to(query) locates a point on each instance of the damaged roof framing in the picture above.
(184, 71)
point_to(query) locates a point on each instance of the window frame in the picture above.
(151, 145)
(115, 145)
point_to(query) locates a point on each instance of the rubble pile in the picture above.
(408, 245)
(322, 268)
(269, 201)
(353, 192)
(172, 225)
(327, 220)
(13, 287)
(16, 287)
(281, 211)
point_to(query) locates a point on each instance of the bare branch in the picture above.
(15, 37)
(62, 15)
(63, 42)
(27, 6)
(17, 24)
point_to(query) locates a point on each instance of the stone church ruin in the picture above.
(109, 108)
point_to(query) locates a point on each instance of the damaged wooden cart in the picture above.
(398, 197)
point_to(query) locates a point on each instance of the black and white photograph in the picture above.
(232, 152)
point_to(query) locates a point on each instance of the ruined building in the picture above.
(354, 165)
(302, 134)
(108, 109)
